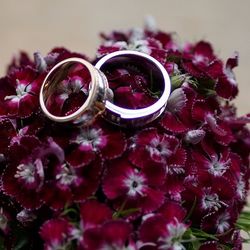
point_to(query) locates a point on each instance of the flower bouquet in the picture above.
(179, 182)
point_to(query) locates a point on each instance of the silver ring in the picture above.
(136, 117)
(98, 92)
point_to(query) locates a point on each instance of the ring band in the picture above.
(98, 92)
(136, 117)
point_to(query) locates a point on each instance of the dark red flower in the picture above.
(19, 61)
(219, 222)
(92, 216)
(89, 142)
(7, 132)
(164, 230)
(206, 111)
(184, 177)
(28, 168)
(55, 234)
(210, 245)
(132, 188)
(71, 92)
(201, 62)
(226, 86)
(151, 146)
(177, 117)
(19, 93)
(222, 164)
(112, 235)
(71, 184)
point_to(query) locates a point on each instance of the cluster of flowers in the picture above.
(178, 183)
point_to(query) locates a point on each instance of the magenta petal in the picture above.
(202, 161)
(192, 69)
(226, 88)
(7, 132)
(27, 105)
(125, 97)
(55, 197)
(80, 156)
(89, 180)
(155, 173)
(22, 148)
(93, 239)
(116, 145)
(145, 136)
(54, 104)
(140, 157)
(171, 123)
(55, 231)
(113, 234)
(153, 200)
(210, 245)
(227, 136)
(215, 125)
(173, 187)
(116, 232)
(204, 48)
(215, 69)
(104, 50)
(233, 61)
(12, 108)
(94, 213)
(152, 228)
(200, 110)
(176, 162)
(113, 183)
(172, 210)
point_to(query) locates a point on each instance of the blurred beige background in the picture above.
(33, 25)
(39, 25)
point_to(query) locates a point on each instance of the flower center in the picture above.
(218, 168)
(198, 58)
(66, 176)
(90, 137)
(31, 174)
(222, 222)
(26, 172)
(173, 237)
(241, 188)
(71, 86)
(158, 148)
(211, 200)
(21, 91)
(135, 182)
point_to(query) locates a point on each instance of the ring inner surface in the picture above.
(66, 88)
(136, 81)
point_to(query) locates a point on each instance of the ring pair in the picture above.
(99, 100)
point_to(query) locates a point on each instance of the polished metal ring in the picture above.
(136, 117)
(98, 92)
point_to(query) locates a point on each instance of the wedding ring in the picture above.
(136, 117)
(98, 92)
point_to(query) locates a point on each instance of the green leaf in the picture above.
(21, 244)
(243, 221)
(196, 245)
(178, 80)
(201, 234)
(2, 243)
(129, 211)
(191, 209)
